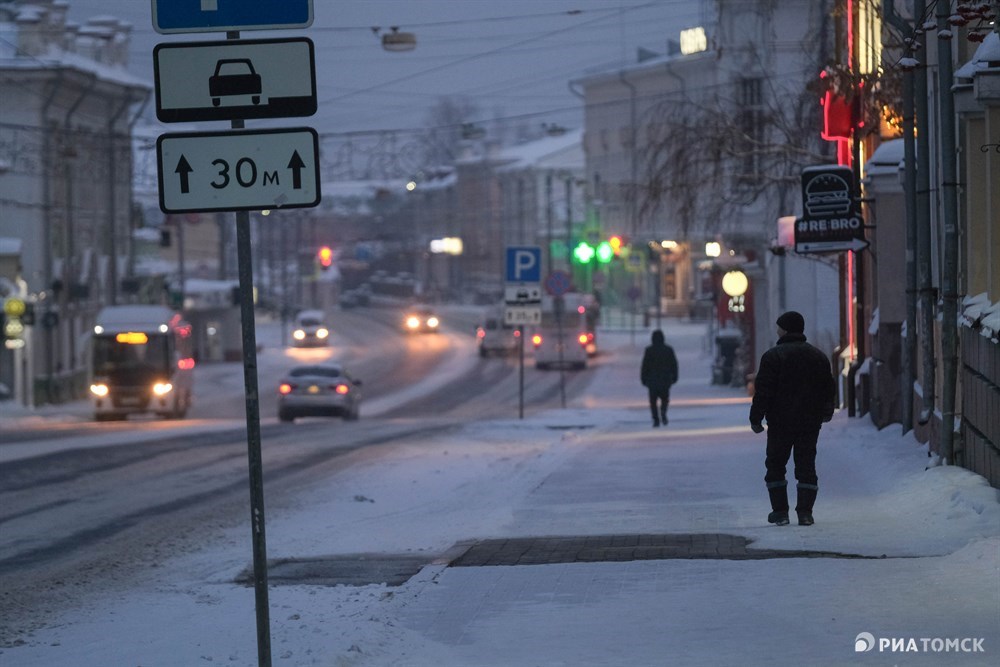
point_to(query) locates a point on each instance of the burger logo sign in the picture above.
(830, 221)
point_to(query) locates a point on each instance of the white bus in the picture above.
(140, 361)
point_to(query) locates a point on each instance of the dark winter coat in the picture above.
(794, 388)
(659, 365)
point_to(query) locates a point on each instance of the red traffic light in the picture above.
(325, 257)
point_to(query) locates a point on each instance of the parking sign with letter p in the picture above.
(524, 264)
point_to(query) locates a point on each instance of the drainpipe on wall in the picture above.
(949, 273)
(69, 266)
(924, 275)
(47, 238)
(909, 348)
(112, 245)
(130, 250)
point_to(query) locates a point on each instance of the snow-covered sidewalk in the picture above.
(596, 468)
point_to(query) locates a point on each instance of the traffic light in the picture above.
(325, 257)
(616, 244)
(583, 253)
(605, 252)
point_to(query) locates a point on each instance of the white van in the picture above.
(496, 337)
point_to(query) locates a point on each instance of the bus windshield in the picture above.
(112, 356)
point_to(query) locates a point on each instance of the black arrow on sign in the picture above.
(296, 165)
(183, 168)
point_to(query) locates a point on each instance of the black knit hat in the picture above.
(792, 322)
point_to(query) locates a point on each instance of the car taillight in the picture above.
(185, 364)
(341, 388)
(284, 388)
(536, 340)
(480, 333)
(517, 333)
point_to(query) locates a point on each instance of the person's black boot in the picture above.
(778, 518)
(804, 503)
(778, 492)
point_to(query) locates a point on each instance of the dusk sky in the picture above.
(513, 59)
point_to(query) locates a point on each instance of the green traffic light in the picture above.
(605, 253)
(583, 253)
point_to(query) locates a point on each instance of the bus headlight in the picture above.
(99, 390)
(162, 388)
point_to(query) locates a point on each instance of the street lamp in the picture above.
(398, 41)
(735, 283)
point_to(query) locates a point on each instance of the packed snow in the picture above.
(595, 468)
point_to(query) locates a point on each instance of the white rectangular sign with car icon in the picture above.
(234, 80)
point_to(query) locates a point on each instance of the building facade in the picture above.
(65, 191)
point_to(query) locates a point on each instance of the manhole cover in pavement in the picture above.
(620, 548)
(349, 570)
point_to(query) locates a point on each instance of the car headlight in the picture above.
(412, 322)
(322, 333)
(298, 334)
(99, 389)
(162, 388)
(432, 322)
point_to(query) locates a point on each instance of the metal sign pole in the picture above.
(245, 263)
(520, 397)
(253, 438)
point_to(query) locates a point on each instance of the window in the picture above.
(751, 128)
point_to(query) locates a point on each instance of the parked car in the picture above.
(421, 319)
(311, 329)
(319, 390)
(495, 337)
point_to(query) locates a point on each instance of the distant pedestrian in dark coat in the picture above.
(794, 391)
(659, 373)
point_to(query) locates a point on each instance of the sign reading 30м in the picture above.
(238, 171)
(235, 79)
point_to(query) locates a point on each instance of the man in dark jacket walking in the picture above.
(658, 374)
(795, 392)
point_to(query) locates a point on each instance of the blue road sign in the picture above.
(524, 264)
(171, 16)
(558, 283)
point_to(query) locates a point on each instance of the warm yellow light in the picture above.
(298, 334)
(735, 283)
(669, 245)
(713, 249)
(411, 186)
(162, 388)
(99, 389)
(132, 338)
